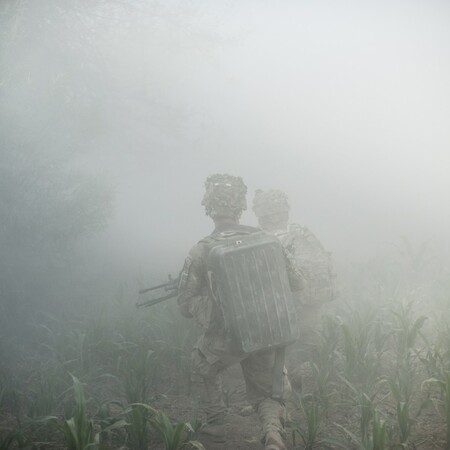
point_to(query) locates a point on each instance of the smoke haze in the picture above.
(343, 105)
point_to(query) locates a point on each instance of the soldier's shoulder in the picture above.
(198, 250)
(249, 229)
(305, 234)
(300, 229)
(297, 229)
(232, 229)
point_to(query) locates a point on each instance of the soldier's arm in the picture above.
(191, 280)
(297, 279)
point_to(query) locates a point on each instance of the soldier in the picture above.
(224, 201)
(272, 210)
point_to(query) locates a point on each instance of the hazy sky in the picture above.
(344, 105)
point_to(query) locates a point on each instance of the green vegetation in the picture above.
(116, 377)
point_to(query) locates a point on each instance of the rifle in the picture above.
(171, 286)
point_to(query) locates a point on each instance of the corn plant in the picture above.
(375, 433)
(138, 432)
(312, 415)
(9, 393)
(70, 349)
(108, 423)
(78, 430)
(13, 439)
(361, 363)
(172, 340)
(377, 439)
(406, 331)
(7, 441)
(135, 367)
(434, 360)
(442, 381)
(174, 435)
(401, 390)
(195, 423)
(46, 393)
(2, 392)
(366, 405)
(324, 357)
(437, 356)
(367, 411)
(98, 328)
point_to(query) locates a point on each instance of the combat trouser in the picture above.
(209, 360)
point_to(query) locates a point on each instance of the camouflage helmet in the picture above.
(270, 202)
(224, 196)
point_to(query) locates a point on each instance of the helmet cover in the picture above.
(268, 203)
(224, 196)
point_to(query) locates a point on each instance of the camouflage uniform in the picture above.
(214, 352)
(272, 209)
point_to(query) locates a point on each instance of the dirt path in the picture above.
(242, 421)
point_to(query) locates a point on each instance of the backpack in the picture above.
(315, 263)
(248, 279)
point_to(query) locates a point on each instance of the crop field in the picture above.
(131, 129)
(375, 375)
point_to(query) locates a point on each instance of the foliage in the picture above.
(79, 429)
(46, 392)
(312, 417)
(174, 435)
(14, 437)
(324, 360)
(442, 382)
(377, 439)
(360, 352)
(362, 389)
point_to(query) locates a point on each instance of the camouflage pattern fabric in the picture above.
(213, 352)
(224, 196)
(266, 203)
(315, 263)
(257, 370)
(272, 209)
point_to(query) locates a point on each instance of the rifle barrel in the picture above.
(153, 288)
(155, 301)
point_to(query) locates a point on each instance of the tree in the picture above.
(48, 202)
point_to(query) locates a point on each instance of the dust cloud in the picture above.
(343, 105)
(112, 115)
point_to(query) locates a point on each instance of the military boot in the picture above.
(216, 427)
(271, 415)
(216, 431)
(273, 441)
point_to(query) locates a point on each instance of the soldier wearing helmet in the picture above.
(224, 197)
(272, 210)
(224, 202)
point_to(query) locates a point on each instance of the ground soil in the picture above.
(243, 429)
(244, 426)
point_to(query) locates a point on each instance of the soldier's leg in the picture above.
(301, 353)
(257, 369)
(208, 382)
